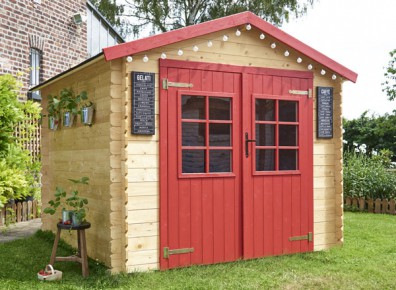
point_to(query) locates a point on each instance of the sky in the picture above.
(358, 34)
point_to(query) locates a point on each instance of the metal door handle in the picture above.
(247, 140)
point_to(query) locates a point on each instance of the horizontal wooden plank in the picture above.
(323, 148)
(143, 243)
(328, 159)
(143, 147)
(142, 257)
(143, 216)
(324, 227)
(324, 216)
(143, 202)
(143, 230)
(324, 182)
(142, 175)
(116, 78)
(324, 171)
(325, 238)
(324, 193)
(324, 204)
(117, 245)
(117, 119)
(143, 161)
(143, 188)
(117, 134)
(117, 105)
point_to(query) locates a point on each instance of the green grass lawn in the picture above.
(366, 261)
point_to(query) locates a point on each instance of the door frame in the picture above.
(164, 64)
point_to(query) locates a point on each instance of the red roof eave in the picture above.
(144, 44)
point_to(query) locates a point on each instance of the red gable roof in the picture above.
(189, 32)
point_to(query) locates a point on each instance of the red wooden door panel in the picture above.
(277, 172)
(235, 163)
(201, 189)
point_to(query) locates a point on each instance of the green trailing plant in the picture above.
(70, 101)
(72, 202)
(54, 106)
(68, 104)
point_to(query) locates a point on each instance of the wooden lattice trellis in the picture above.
(30, 139)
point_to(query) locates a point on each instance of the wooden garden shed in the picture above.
(212, 143)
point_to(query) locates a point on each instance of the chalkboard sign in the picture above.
(324, 112)
(143, 103)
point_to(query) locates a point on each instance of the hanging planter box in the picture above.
(87, 115)
(68, 119)
(53, 122)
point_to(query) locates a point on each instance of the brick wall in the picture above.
(45, 25)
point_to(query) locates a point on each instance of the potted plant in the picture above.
(73, 206)
(77, 204)
(69, 102)
(53, 109)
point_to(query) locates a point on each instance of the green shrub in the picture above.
(18, 170)
(367, 175)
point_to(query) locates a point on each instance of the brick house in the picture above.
(41, 38)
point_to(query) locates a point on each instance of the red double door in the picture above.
(236, 176)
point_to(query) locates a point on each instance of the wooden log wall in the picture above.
(118, 172)
(88, 151)
(143, 159)
(328, 184)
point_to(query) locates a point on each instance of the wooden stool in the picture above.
(81, 256)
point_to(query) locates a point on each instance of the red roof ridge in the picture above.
(174, 36)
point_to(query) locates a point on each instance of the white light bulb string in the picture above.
(227, 38)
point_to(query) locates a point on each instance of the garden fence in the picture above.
(378, 205)
(19, 212)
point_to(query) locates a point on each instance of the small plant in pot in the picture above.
(53, 109)
(70, 102)
(73, 206)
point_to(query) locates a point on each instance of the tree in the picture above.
(389, 86)
(377, 132)
(165, 15)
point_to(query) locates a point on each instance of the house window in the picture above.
(35, 75)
